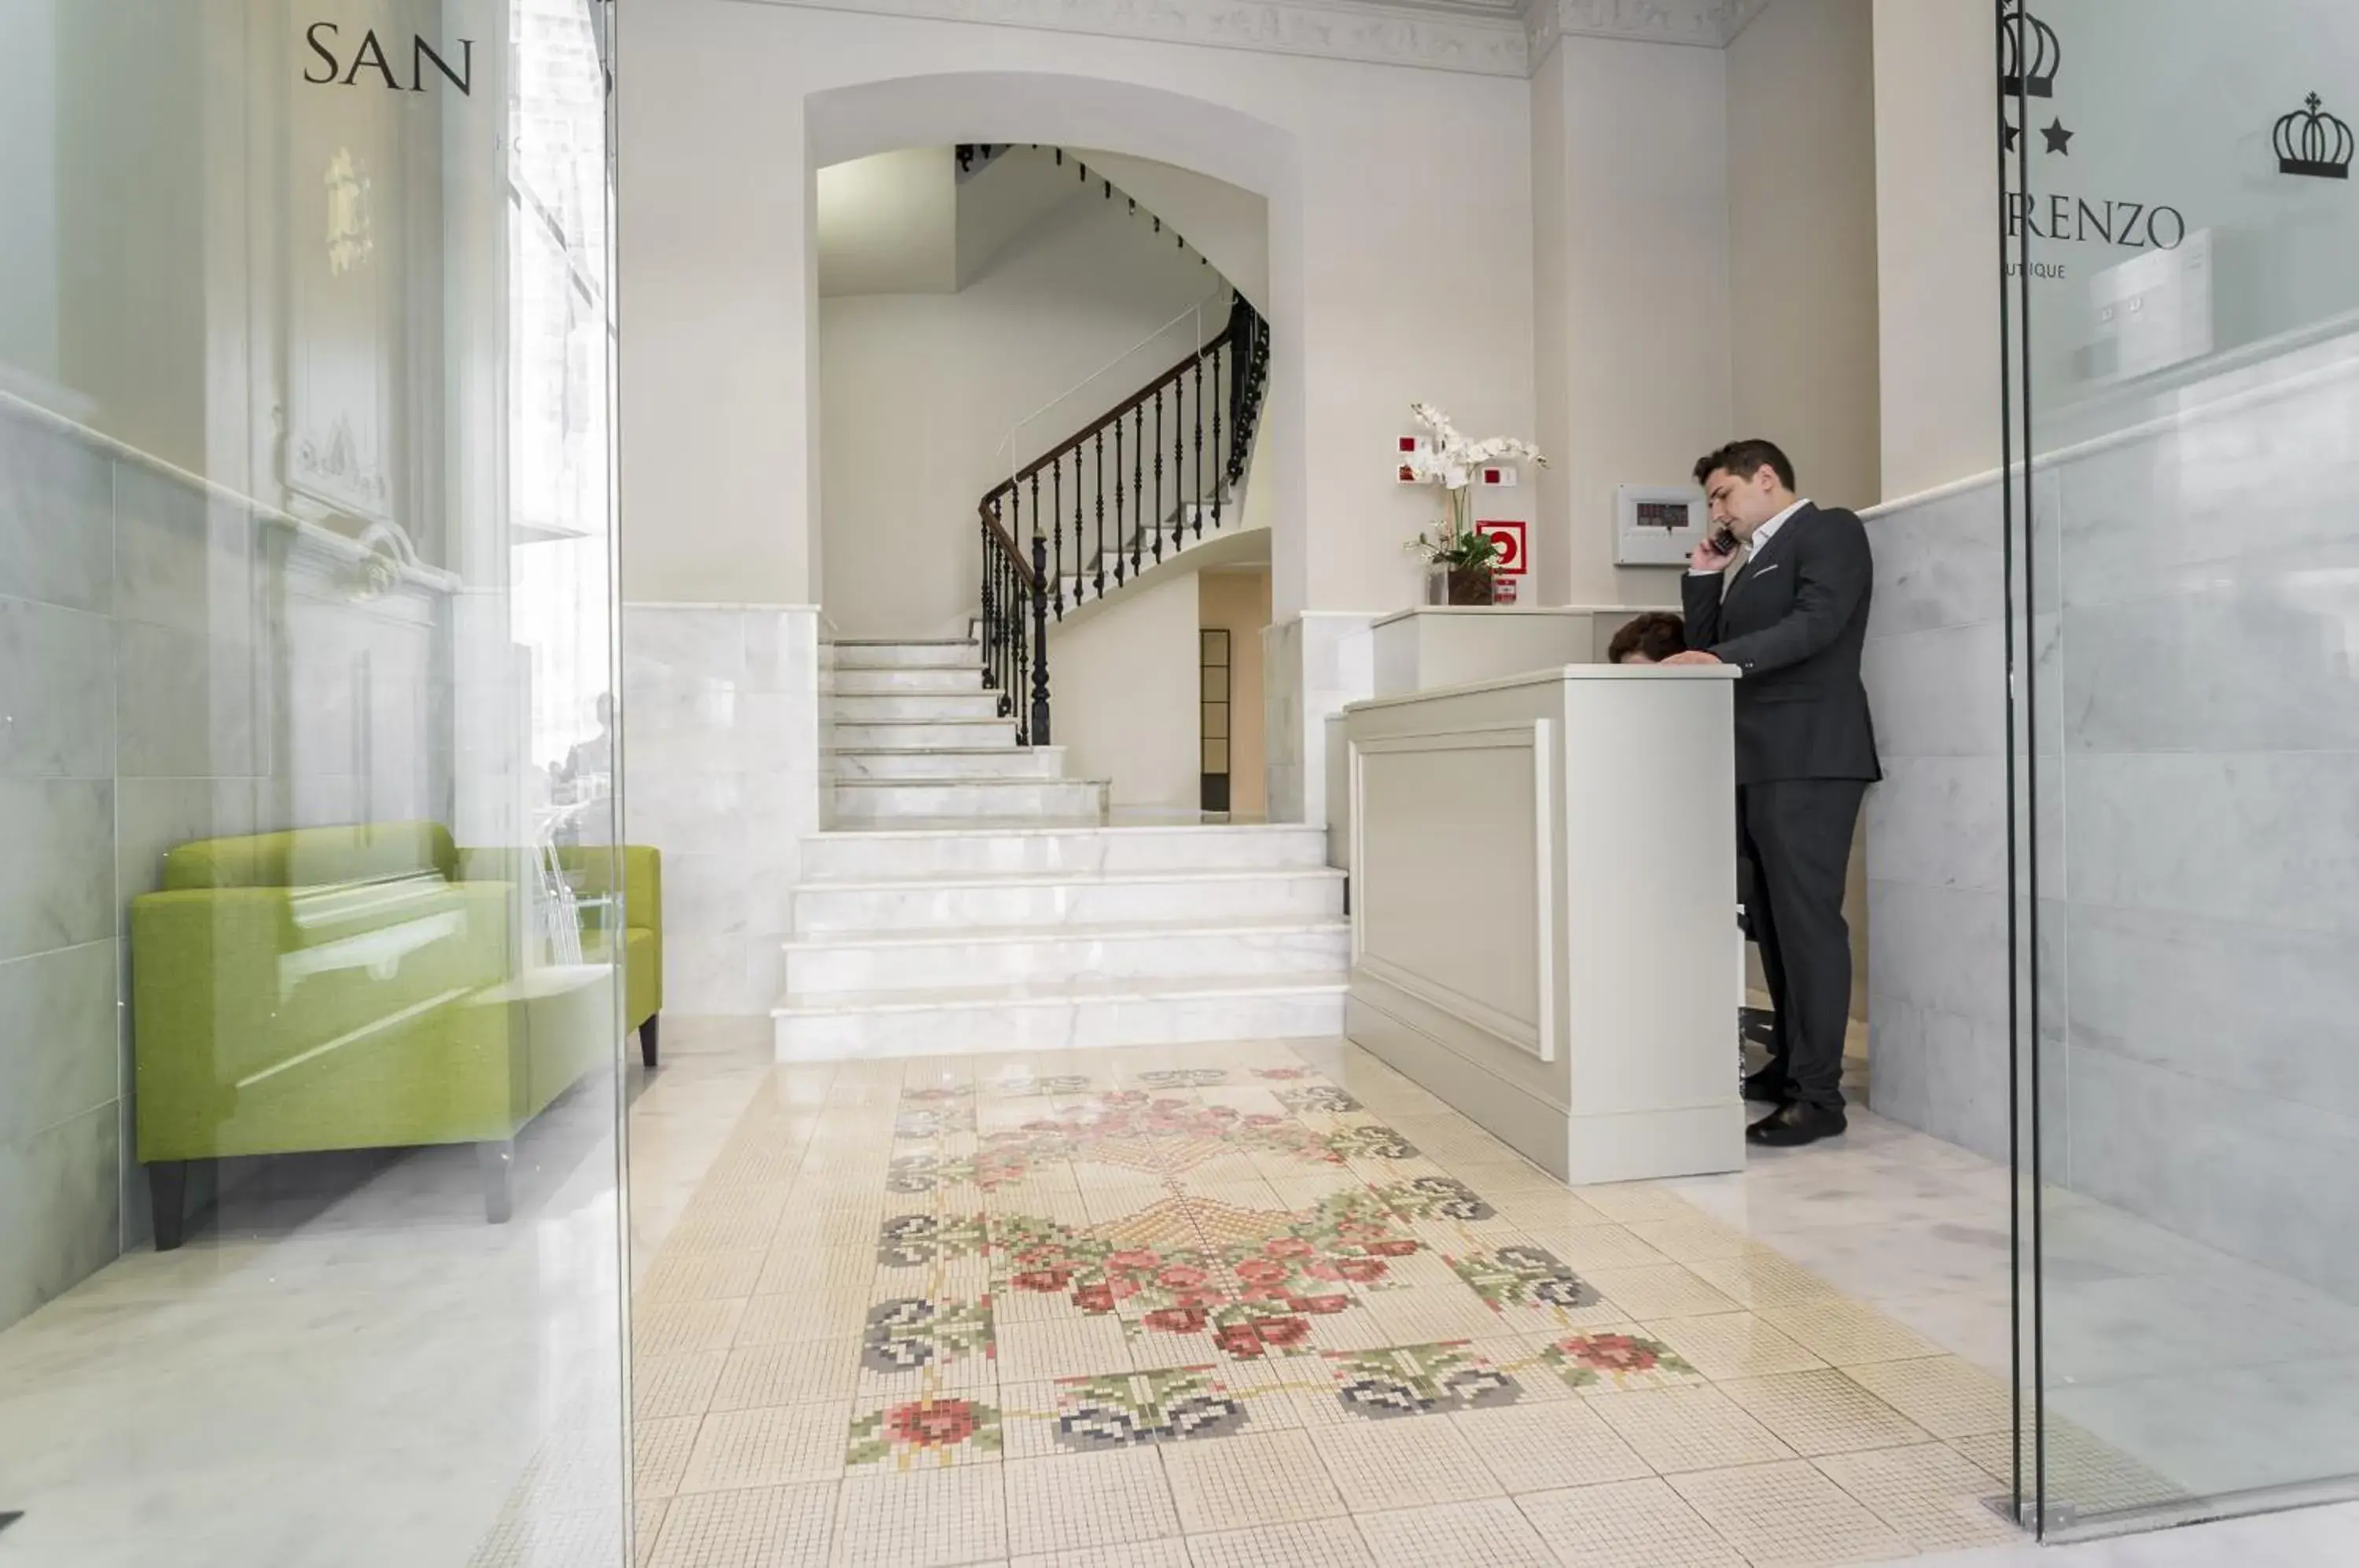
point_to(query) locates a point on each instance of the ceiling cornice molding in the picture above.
(1368, 34)
(1703, 24)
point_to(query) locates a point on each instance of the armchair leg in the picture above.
(494, 1161)
(167, 1191)
(647, 1033)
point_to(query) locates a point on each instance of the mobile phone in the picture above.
(1725, 540)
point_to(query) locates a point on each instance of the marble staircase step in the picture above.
(1069, 900)
(934, 961)
(1075, 1016)
(904, 677)
(868, 708)
(947, 653)
(952, 764)
(924, 734)
(1041, 851)
(983, 800)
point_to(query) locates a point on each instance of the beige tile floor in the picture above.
(347, 1366)
(1252, 1306)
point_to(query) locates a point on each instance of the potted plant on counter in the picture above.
(1459, 557)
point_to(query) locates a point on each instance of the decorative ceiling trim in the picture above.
(1374, 35)
(1705, 24)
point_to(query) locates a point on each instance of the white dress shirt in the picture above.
(1761, 536)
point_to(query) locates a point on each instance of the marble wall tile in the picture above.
(57, 692)
(708, 895)
(59, 1011)
(56, 519)
(153, 816)
(187, 704)
(1282, 726)
(700, 645)
(1938, 564)
(1940, 949)
(1941, 692)
(59, 1209)
(725, 709)
(2272, 839)
(182, 558)
(2250, 1006)
(2233, 658)
(1940, 1073)
(1939, 821)
(2260, 1178)
(57, 880)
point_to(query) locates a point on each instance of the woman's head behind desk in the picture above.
(1649, 639)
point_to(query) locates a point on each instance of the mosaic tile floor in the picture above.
(1254, 1308)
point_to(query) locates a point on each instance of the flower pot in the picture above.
(1470, 585)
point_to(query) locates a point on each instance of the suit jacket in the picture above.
(1794, 619)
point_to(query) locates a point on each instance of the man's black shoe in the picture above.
(1790, 1126)
(1768, 1086)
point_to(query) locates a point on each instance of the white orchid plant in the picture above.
(1449, 461)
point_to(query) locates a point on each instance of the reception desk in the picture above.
(1543, 911)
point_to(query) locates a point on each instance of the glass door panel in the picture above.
(310, 1107)
(2180, 231)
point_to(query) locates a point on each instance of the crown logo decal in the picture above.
(2028, 55)
(2311, 141)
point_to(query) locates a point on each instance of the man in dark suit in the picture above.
(1793, 620)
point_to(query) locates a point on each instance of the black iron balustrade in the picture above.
(1032, 574)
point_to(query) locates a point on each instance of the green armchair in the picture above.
(358, 987)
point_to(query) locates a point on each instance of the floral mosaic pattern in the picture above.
(1523, 1276)
(1419, 1379)
(1176, 1406)
(1435, 1197)
(1250, 1301)
(1585, 1359)
(922, 1429)
(910, 1334)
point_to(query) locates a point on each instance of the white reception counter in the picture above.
(1543, 913)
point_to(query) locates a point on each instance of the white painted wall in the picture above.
(889, 224)
(919, 392)
(1376, 299)
(29, 195)
(1229, 224)
(1802, 239)
(1802, 273)
(1633, 259)
(1124, 684)
(1937, 241)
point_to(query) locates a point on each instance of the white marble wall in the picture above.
(723, 720)
(1312, 666)
(60, 1116)
(172, 667)
(2196, 604)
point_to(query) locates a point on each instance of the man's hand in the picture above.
(1693, 656)
(1704, 557)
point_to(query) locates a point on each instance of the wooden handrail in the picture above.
(1107, 419)
(1008, 545)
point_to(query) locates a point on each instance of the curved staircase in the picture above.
(969, 895)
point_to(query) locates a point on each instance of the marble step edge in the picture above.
(1036, 936)
(1335, 982)
(985, 1029)
(1108, 829)
(967, 674)
(931, 883)
(919, 742)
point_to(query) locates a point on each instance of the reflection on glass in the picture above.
(326, 937)
(2184, 608)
